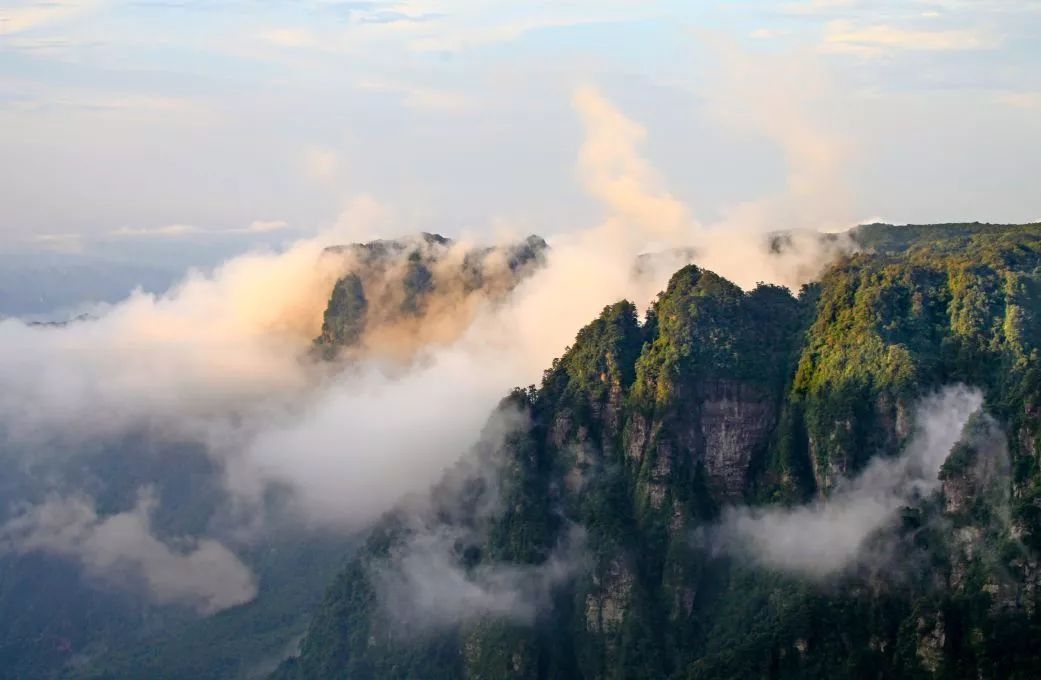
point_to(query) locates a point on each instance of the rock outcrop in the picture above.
(398, 296)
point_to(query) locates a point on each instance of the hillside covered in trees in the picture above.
(626, 517)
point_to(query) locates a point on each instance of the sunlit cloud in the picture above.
(290, 37)
(417, 96)
(26, 16)
(846, 36)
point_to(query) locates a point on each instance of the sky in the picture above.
(175, 131)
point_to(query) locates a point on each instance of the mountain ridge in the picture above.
(641, 433)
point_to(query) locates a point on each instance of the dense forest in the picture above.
(582, 536)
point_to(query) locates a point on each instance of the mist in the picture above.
(831, 535)
(202, 574)
(424, 585)
(225, 360)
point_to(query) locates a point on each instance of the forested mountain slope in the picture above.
(601, 528)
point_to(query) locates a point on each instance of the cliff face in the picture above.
(736, 422)
(589, 512)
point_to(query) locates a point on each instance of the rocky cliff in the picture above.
(397, 296)
(577, 540)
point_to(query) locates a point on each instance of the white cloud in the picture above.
(846, 36)
(423, 584)
(59, 242)
(445, 26)
(122, 551)
(320, 163)
(263, 227)
(786, 99)
(39, 99)
(163, 231)
(613, 171)
(290, 37)
(826, 537)
(417, 96)
(26, 16)
(184, 230)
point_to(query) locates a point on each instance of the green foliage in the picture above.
(344, 320)
(603, 355)
(707, 328)
(241, 642)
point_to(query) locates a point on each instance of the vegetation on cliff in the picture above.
(641, 433)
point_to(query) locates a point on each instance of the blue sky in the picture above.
(170, 126)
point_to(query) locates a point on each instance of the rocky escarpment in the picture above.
(708, 388)
(736, 422)
(636, 445)
(641, 434)
(729, 423)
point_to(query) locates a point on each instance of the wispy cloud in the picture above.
(180, 230)
(60, 242)
(448, 26)
(846, 36)
(827, 537)
(25, 16)
(290, 37)
(818, 6)
(320, 163)
(767, 33)
(49, 100)
(163, 231)
(785, 98)
(418, 96)
(262, 227)
(1021, 100)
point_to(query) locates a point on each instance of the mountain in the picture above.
(398, 296)
(680, 495)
